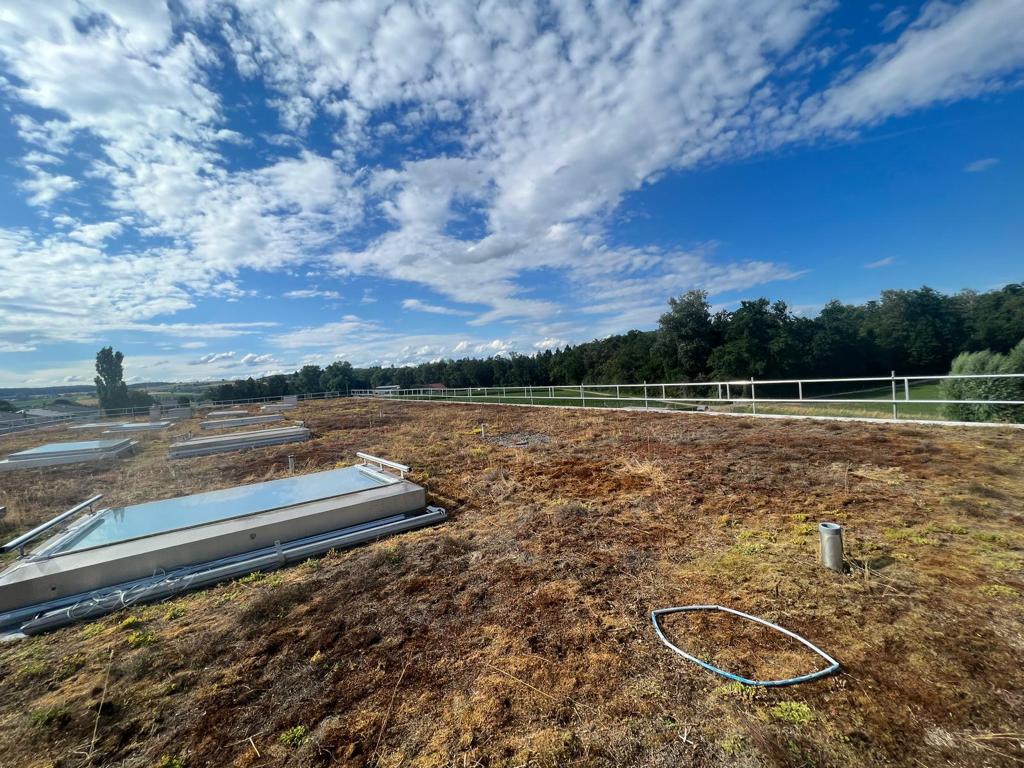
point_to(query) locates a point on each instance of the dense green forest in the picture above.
(909, 331)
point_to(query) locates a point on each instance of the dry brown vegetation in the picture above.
(518, 633)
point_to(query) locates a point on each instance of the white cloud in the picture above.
(496, 347)
(328, 334)
(10, 346)
(886, 262)
(524, 129)
(254, 359)
(43, 188)
(213, 357)
(95, 234)
(896, 18)
(983, 164)
(434, 309)
(312, 293)
(550, 343)
(947, 53)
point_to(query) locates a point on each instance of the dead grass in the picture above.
(518, 633)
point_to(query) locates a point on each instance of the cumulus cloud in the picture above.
(94, 234)
(550, 343)
(519, 130)
(44, 187)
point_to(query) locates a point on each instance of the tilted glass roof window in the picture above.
(80, 446)
(110, 526)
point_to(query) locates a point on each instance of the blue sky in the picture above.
(225, 190)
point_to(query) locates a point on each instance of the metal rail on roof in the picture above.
(20, 542)
(382, 463)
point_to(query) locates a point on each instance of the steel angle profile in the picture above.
(833, 665)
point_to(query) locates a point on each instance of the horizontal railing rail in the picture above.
(732, 392)
(895, 392)
(21, 541)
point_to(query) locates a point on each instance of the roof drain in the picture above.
(833, 665)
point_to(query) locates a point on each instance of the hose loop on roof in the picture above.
(833, 665)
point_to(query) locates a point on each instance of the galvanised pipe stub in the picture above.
(830, 536)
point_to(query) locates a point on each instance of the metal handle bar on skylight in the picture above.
(20, 542)
(400, 468)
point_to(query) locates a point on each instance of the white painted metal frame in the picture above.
(733, 392)
(382, 463)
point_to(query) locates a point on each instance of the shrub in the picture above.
(986, 362)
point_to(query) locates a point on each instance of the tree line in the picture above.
(912, 332)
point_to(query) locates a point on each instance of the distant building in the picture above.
(438, 385)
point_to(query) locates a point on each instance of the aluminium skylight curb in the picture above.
(242, 421)
(140, 426)
(237, 441)
(77, 452)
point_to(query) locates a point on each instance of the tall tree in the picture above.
(916, 331)
(307, 379)
(110, 387)
(838, 348)
(994, 319)
(686, 336)
(337, 377)
(759, 339)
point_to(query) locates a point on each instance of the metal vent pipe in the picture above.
(831, 538)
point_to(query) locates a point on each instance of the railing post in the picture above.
(583, 397)
(645, 395)
(617, 392)
(894, 415)
(800, 389)
(753, 397)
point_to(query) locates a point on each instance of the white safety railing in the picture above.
(894, 392)
(887, 392)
